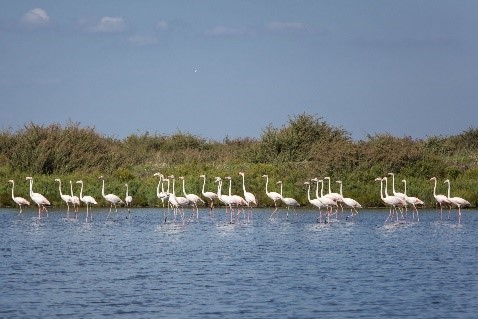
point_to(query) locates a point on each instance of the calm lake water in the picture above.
(142, 267)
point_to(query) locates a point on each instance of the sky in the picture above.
(218, 69)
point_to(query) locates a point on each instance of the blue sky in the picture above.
(231, 68)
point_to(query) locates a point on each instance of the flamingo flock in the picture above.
(330, 202)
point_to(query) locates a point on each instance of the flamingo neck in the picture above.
(81, 191)
(317, 190)
(103, 189)
(13, 186)
(59, 188)
(203, 184)
(280, 189)
(31, 187)
(385, 193)
(230, 186)
(330, 191)
(184, 190)
(308, 193)
(393, 183)
(448, 182)
(243, 184)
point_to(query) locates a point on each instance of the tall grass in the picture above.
(305, 147)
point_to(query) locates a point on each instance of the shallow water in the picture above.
(268, 268)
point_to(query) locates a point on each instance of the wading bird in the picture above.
(75, 200)
(248, 196)
(442, 200)
(349, 202)
(20, 201)
(128, 199)
(289, 202)
(87, 200)
(414, 201)
(65, 197)
(209, 195)
(457, 201)
(111, 198)
(38, 198)
(272, 195)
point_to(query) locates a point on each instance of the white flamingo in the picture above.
(248, 196)
(272, 195)
(349, 202)
(326, 200)
(128, 198)
(20, 201)
(239, 202)
(289, 202)
(110, 198)
(65, 197)
(161, 195)
(209, 195)
(442, 200)
(335, 196)
(392, 200)
(316, 202)
(226, 199)
(414, 201)
(192, 198)
(88, 200)
(457, 201)
(398, 194)
(74, 199)
(181, 201)
(38, 198)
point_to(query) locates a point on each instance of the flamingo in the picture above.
(161, 195)
(441, 199)
(209, 195)
(272, 195)
(457, 201)
(349, 202)
(181, 201)
(392, 200)
(414, 201)
(111, 198)
(128, 198)
(289, 202)
(226, 199)
(249, 197)
(239, 202)
(20, 201)
(87, 200)
(66, 198)
(398, 194)
(316, 202)
(192, 198)
(38, 198)
(327, 201)
(335, 196)
(75, 200)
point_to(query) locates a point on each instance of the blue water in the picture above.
(143, 268)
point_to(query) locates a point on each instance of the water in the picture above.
(143, 268)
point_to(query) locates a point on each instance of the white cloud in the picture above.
(36, 18)
(109, 25)
(142, 40)
(277, 26)
(226, 31)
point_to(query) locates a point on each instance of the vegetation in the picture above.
(305, 147)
